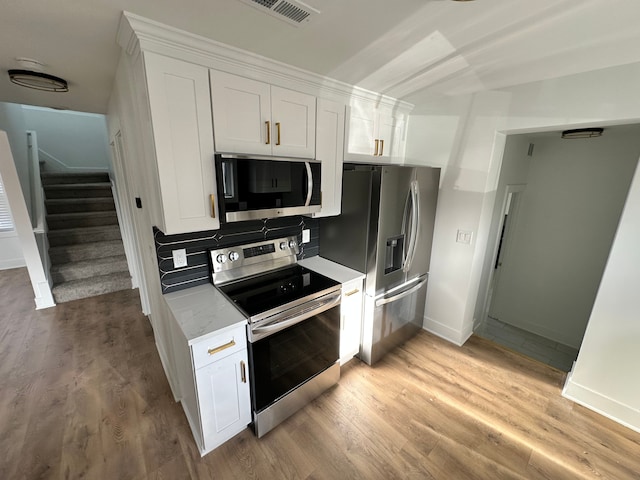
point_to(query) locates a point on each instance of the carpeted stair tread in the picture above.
(85, 251)
(83, 177)
(81, 219)
(66, 272)
(72, 236)
(74, 205)
(89, 287)
(78, 190)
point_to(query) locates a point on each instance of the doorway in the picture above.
(557, 210)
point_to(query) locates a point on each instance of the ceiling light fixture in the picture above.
(38, 81)
(582, 133)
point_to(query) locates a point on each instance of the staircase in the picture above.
(85, 246)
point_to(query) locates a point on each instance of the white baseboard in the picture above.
(457, 337)
(599, 403)
(12, 263)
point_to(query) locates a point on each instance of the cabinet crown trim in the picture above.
(137, 33)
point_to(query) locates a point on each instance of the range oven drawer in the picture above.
(217, 347)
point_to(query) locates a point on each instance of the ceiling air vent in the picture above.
(294, 12)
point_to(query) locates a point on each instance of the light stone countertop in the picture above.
(330, 269)
(202, 312)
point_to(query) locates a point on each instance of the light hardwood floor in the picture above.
(83, 395)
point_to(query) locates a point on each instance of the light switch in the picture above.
(464, 236)
(306, 235)
(179, 258)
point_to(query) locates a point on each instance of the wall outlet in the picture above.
(306, 235)
(179, 258)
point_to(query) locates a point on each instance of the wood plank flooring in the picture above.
(83, 395)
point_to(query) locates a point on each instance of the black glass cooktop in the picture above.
(261, 293)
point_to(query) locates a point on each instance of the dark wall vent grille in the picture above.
(291, 11)
(294, 12)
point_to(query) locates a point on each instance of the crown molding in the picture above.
(137, 34)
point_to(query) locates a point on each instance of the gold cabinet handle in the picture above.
(243, 373)
(381, 147)
(212, 199)
(268, 124)
(375, 154)
(352, 292)
(213, 351)
(278, 128)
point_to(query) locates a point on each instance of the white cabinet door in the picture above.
(390, 134)
(361, 132)
(241, 110)
(293, 115)
(180, 108)
(330, 151)
(374, 135)
(223, 396)
(256, 118)
(351, 309)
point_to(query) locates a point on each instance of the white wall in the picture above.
(514, 171)
(605, 375)
(70, 140)
(608, 96)
(559, 245)
(12, 122)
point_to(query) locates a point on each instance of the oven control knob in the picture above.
(283, 245)
(233, 256)
(221, 258)
(292, 244)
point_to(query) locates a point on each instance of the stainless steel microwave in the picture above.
(251, 188)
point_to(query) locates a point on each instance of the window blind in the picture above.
(6, 222)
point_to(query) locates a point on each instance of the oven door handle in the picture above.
(280, 323)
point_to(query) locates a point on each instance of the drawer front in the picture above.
(219, 346)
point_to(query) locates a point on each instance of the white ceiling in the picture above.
(400, 47)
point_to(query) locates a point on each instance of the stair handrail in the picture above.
(64, 167)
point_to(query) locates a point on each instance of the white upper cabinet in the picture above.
(253, 117)
(374, 135)
(182, 133)
(330, 151)
(241, 110)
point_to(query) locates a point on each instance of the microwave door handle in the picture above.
(309, 184)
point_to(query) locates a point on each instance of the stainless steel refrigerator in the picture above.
(385, 230)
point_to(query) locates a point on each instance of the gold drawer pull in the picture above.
(268, 124)
(243, 374)
(352, 292)
(381, 147)
(213, 351)
(278, 127)
(212, 199)
(375, 154)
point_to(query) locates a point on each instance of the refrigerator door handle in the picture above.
(393, 298)
(413, 235)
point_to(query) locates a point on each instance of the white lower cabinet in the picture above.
(351, 309)
(214, 384)
(223, 395)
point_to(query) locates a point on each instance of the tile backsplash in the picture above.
(197, 245)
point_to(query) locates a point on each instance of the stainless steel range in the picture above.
(293, 325)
